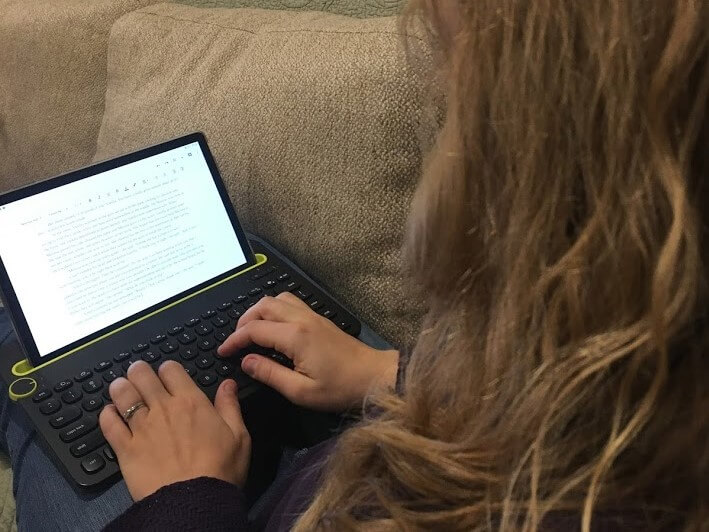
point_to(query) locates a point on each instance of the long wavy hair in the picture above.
(559, 232)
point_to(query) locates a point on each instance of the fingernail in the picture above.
(137, 364)
(248, 365)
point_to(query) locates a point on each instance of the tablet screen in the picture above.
(90, 253)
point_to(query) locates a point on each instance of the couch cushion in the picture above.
(52, 83)
(313, 120)
(354, 8)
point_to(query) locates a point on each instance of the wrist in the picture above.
(382, 368)
(390, 368)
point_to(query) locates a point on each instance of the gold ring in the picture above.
(132, 410)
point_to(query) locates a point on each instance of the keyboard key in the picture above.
(112, 374)
(83, 375)
(269, 284)
(127, 364)
(192, 322)
(203, 329)
(189, 353)
(93, 464)
(169, 347)
(106, 395)
(209, 314)
(140, 348)
(303, 294)
(42, 394)
(344, 325)
(240, 299)
(316, 304)
(225, 369)
(150, 356)
(84, 447)
(234, 314)
(224, 306)
(329, 314)
(77, 430)
(205, 344)
(258, 274)
(190, 371)
(220, 322)
(109, 454)
(221, 336)
(292, 286)
(69, 414)
(50, 406)
(207, 379)
(62, 385)
(72, 396)
(204, 362)
(255, 291)
(177, 329)
(157, 339)
(93, 385)
(283, 277)
(186, 338)
(120, 357)
(103, 365)
(92, 403)
(250, 304)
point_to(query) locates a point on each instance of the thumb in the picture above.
(227, 404)
(292, 385)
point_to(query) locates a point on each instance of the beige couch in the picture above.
(317, 120)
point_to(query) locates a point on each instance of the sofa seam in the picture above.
(233, 28)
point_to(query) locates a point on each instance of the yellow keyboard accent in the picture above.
(15, 394)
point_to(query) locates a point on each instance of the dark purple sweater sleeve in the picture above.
(204, 504)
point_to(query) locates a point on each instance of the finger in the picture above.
(280, 336)
(146, 381)
(290, 298)
(271, 309)
(124, 395)
(292, 385)
(227, 404)
(175, 378)
(117, 434)
(299, 304)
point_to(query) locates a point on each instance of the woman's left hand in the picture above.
(178, 435)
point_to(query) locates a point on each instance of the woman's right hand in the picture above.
(333, 371)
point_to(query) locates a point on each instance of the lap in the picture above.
(45, 500)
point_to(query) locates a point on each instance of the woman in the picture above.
(560, 378)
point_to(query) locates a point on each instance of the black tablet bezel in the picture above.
(7, 290)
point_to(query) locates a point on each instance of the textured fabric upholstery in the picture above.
(313, 119)
(52, 83)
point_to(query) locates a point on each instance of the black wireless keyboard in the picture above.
(71, 392)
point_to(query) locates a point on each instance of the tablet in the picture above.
(93, 250)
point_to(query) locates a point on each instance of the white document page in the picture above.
(89, 254)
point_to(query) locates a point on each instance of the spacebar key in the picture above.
(78, 430)
(242, 379)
